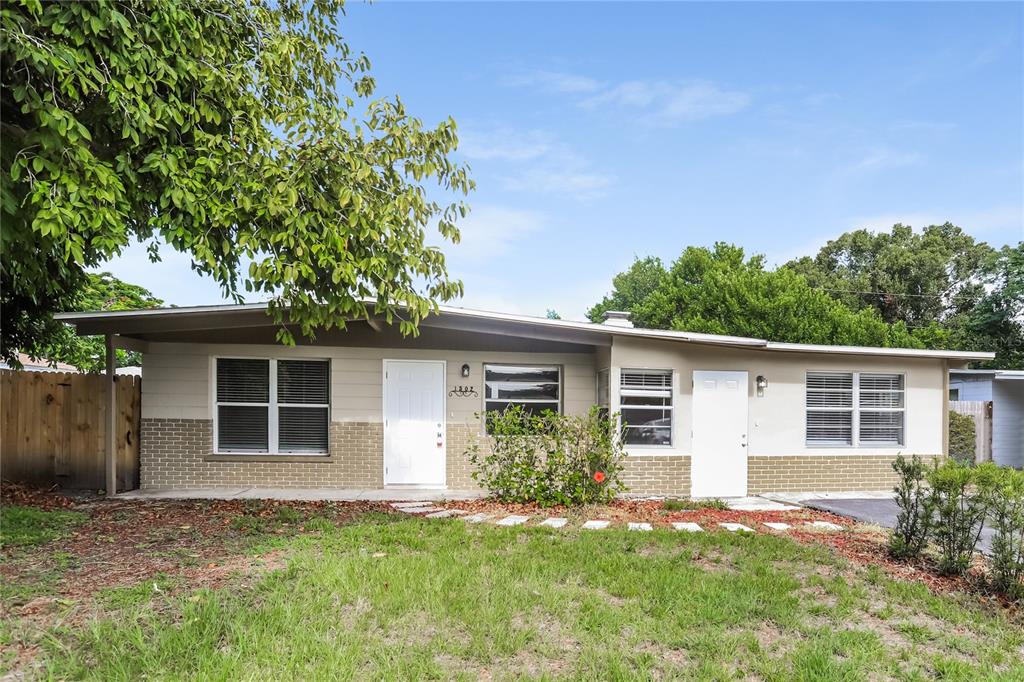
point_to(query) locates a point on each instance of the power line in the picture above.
(889, 293)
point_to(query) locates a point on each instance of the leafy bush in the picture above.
(962, 444)
(551, 459)
(960, 497)
(1007, 520)
(913, 521)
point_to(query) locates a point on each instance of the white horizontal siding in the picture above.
(177, 377)
(1008, 423)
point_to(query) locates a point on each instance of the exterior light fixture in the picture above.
(762, 383)
(465, 370)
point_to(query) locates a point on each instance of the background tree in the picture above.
(630, 288)
(720, 291)
(241, 132)
(100, 291)
(913, 277)
(996, 322)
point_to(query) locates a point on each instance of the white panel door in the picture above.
(719, 460)
(414, 424)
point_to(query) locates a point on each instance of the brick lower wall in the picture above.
(458, 468)
(657, 475)
(821, 473)
(173, 452)
(173, 455)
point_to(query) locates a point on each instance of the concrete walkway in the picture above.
(304, 494)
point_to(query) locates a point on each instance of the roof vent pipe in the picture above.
(617, 318)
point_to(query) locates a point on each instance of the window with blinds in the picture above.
(272, 406)
(645, 403)
(303, 410)
(854, 409)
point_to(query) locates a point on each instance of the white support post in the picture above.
(111, 440)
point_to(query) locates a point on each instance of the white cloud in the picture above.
(664, 103)
(504, 144)
(579, 185)
(534, 161)
(661, 102)
(884, 157)
(554, 81)
(490, 231)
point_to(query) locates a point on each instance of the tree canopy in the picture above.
(937, 288)
(721, 291)
(244, 133)
(101, 291)
(914, 277)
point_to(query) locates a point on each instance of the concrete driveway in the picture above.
(880, 511)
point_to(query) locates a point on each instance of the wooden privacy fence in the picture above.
(981, 412)
(53, 428)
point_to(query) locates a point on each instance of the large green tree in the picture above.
(913, 277)
(996, 322)
(951, 290)
(100, 291)
(721, 291)
(244, 133)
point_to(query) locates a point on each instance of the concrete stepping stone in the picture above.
(639, 526)
(736, 527)
(596, 525)
(774, 525)
(407, 505)
(824, 525)
(477, 518)
(418, 510)
(554, 522)
(512, 520)
(688, 526)
(446, 513)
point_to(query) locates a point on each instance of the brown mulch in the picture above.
(125, 542)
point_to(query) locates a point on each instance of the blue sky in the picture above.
(601, 132)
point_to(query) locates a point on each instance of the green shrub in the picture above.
(960, 497)
(551, 459)
(913, 521)
(962, 443)
(1007, 520)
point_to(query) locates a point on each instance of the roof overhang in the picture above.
(994, 374)
(141, 323)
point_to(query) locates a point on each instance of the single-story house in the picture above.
(1004, 389)
(364, 407)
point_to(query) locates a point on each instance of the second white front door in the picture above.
(414, 423)
(718, 466)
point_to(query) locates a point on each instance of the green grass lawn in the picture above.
(27, 526)
(402, 598)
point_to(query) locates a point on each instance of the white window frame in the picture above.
(856, 410)
(273, 415)
(639, 391)
(539, 365)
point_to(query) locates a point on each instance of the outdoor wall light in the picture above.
(761, 384)
(465, 370)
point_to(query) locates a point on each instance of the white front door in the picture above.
(719, 461)
(414, 423)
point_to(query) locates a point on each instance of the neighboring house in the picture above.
(44, 365)
(40, 365)
(1004, 388)
(706, 415)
